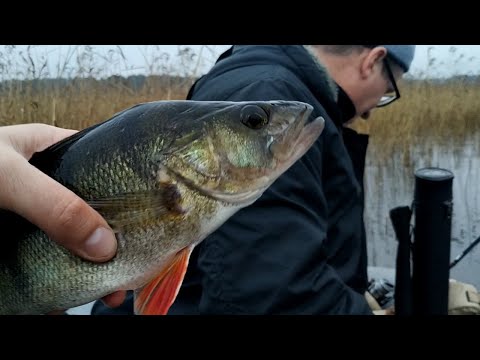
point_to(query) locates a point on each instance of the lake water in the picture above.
(391, 184)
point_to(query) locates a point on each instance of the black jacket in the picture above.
(300, 248)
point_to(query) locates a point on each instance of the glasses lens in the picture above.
(393, 95)
(387, 99)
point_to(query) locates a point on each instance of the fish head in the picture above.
(234, 152)
(229, 153)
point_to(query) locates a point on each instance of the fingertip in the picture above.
(100, 246)
(115, 299)
(82, 230)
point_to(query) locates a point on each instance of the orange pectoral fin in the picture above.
(156, 297)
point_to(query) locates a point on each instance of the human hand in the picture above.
(463, 299)
(60, 213)
(380, 296)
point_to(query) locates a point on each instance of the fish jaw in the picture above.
(308, 134)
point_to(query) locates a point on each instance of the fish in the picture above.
(164, 175)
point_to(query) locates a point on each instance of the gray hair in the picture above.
(341, 50)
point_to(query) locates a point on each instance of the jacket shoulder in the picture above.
(252, 83)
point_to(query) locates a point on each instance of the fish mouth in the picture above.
(306, 134)
(305, 140)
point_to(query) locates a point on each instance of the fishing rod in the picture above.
(464, 252)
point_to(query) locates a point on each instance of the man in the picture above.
(300, 248)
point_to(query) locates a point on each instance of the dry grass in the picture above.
(83, 102)
(428, 112)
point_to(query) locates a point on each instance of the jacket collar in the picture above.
(343, 107)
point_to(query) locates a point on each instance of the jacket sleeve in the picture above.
(269, 258)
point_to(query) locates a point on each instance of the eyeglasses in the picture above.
(390, 97)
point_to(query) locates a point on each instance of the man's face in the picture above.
(382, 89)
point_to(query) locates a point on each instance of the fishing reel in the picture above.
(383, 291)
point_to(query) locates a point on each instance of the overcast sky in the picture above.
(430, 60)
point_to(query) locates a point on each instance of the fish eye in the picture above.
(254, 117)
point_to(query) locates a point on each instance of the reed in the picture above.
(428, 112)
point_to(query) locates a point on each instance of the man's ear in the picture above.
(372, 61)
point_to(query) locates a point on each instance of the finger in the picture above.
(27, 139)
(64, 216)
(115, 299)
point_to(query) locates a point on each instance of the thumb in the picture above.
(60, 213)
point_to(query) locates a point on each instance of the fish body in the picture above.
(164, 175)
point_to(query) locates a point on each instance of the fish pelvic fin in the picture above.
(156, 297)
